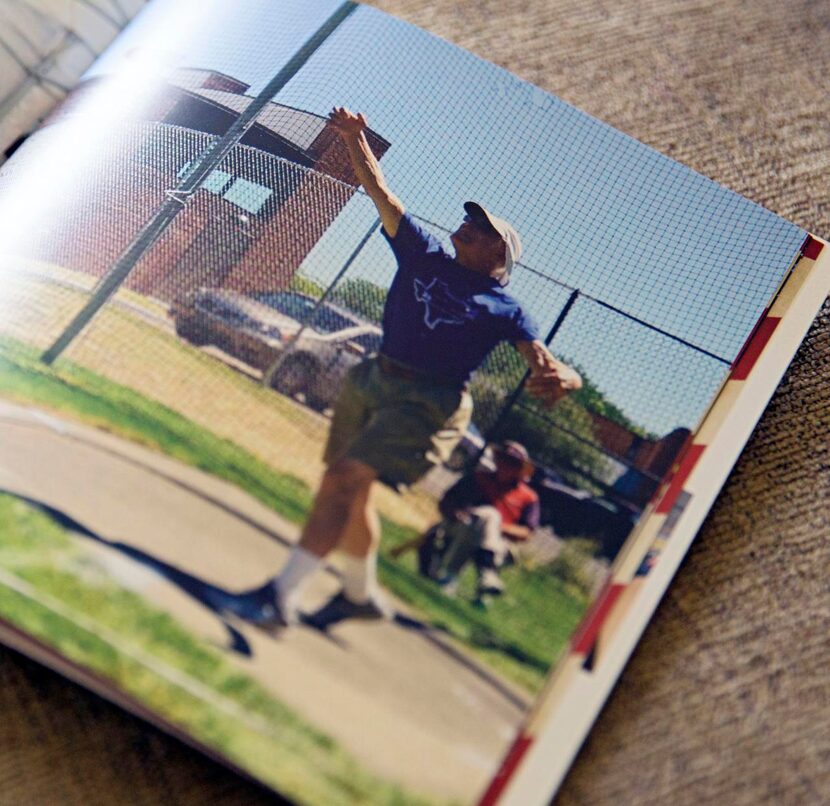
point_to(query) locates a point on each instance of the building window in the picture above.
(248, 195)
(217, 181)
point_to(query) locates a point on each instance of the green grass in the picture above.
(520, 635)
(83, 282)
(280, 748)
(69, 388)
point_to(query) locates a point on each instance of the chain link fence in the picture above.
(279, 272)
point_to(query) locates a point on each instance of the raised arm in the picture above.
(366, 167)
(550, 379)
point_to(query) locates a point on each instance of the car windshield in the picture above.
(222, 308)
(300, 307)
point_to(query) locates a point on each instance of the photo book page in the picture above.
(359, 400)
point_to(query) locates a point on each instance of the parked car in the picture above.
(258, 333)
(560, 505)
(577, 513)
(326, 317)
(609, 522)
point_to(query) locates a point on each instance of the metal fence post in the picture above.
(268, 375)
(190, 183)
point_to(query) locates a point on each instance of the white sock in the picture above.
(299, 567)
(359, 577)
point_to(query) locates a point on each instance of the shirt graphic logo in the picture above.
(440, 305)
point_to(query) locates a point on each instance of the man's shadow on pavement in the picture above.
(210, 596)
(220, 601)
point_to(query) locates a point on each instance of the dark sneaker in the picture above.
(263, 608)
(341, 608)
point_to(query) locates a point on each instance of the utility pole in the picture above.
(190, 183)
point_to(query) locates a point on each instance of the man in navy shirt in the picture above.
(404, 411)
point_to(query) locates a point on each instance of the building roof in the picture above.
(294, 125)
(208, 73)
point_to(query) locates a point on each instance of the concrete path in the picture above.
(410, 707)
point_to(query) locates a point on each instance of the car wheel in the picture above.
(295, 377)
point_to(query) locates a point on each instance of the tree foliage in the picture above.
(304, 285)
(562, 437)
(591, 398)
(363, 297)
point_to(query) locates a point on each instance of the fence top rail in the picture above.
(588, 442)
(546, 277)
(603, 303)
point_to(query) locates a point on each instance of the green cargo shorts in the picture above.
(400, 427)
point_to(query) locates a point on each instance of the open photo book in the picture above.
(358, 399)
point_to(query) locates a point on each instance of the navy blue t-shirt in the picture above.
(440, 317)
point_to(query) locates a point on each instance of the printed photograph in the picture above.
(337, 366)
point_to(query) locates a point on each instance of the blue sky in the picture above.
(596, 209)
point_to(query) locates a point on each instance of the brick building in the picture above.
(251, 223)
(652, 456)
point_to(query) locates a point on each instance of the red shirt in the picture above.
(516, 505)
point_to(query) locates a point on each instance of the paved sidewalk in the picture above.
(391, 694)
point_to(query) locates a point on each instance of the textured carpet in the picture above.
(727, 699)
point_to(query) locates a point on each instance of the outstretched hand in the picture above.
(551, 384)
(346, 121)
(550, 379)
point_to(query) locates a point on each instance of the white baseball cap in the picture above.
(512, 241)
